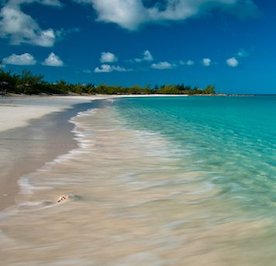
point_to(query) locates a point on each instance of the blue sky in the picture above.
(228, 43)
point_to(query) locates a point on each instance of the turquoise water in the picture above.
(230, 140)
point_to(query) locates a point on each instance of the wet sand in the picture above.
(33, 130)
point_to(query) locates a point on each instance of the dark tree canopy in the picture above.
(28, 83)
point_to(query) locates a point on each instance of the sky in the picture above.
(226, 43)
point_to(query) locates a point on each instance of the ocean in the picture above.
(153, 181)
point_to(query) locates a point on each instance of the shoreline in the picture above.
(133, 194)
(30, 110)
(34, 131)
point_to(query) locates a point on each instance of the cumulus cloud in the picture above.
(206, 62)
(105, 68)
(22, 28)
(187, 63)
(126, 13)
(25, 59)
(130, 14)
(162, 65)
(147, 56)
(107, 57)
(53, 60)
(232, 62)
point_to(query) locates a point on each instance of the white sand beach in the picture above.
(17, 111)
(18, 155)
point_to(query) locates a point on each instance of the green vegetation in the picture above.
(28, 83)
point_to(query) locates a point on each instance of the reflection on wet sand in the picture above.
(133, 203)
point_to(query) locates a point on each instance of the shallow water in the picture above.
(152, 182)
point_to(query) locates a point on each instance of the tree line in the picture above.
(31, 84)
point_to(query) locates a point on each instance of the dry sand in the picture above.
(19, 111)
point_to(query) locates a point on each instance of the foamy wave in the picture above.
(88, 112)
(29, 205)
(64, 158)
(24, 182)
(79, 127)
(79, 136)
(26, 187)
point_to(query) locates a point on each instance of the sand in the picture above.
(19, 111)
(26, 142)
(130, 203)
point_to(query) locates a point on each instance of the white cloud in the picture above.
(51, 2)
(190, 63)
(232, 62)
(147, 56)
(25, 59)
(206, 62)
(107, 57)
(187, 63)
(130, 14)
(105, 68)
(53, 60)
(162, 65)
(22, 28)
(242, 53)
(126, 13)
